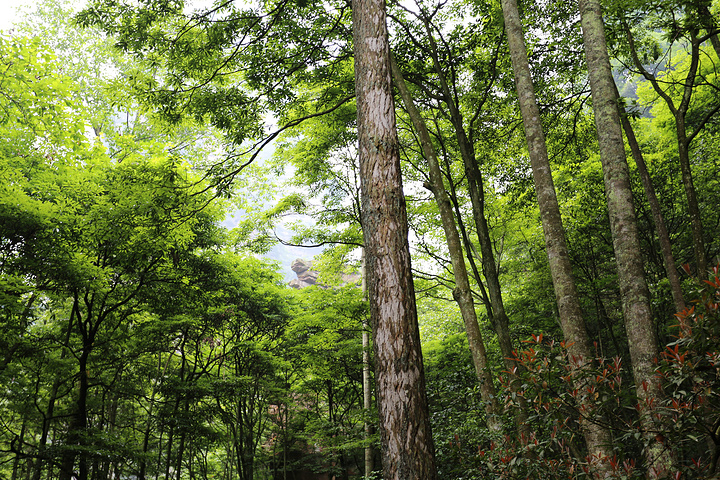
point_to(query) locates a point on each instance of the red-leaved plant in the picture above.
(559, 397)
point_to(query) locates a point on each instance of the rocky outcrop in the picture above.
(307, 276)
(303, 270)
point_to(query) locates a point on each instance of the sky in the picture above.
(8, 10)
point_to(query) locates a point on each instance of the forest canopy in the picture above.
(516, 205)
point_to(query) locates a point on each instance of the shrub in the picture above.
(559, 396)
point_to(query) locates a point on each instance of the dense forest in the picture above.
(530, 192)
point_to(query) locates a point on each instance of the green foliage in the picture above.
(127, 320)
(324, 340)
(560, 397)
(690, 368)
(197, 361)
(457, 417)
(223, 65)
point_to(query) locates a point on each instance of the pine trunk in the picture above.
(408, 450)
(367, 387)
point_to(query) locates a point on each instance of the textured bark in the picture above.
(408, 450)
(367, 398)
(598, 439)
(634, 293)
(462, 292)
(660, 228)
(679, 112)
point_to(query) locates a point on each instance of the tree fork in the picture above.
(679, 113)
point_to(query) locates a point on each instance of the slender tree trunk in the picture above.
(19, 452)
(691, 195)
(49, 415)
(170, 440)
(142, 469)
(146, 445)
(660, 228)
(634, 294)
(408, 449)
(598, 438)
(494, 305)
(245, 443)
(467, 243)
(78, 425)
(102, 470)
(462, 292)
(367, 387)
(47, 418)
(496, 309)
(679, 112)
(180, 456)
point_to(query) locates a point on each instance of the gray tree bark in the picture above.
(496, 308)
(660, 228)
(597, 438)
(408, 451)
(634, 293)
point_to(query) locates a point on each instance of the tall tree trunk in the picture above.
(49, 415)
(142, 468)
(145, 447)
(598, 438)
(462, 292)
(170, 441)
(679, 112)
(47, 418)
(19, 452)
(691, 195)
(78, 425)
(496, 309)
(181, 453)
(102, 469)
(408, 450)
(634, 293)
(660, 228)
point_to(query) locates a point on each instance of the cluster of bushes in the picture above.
(557, 398)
